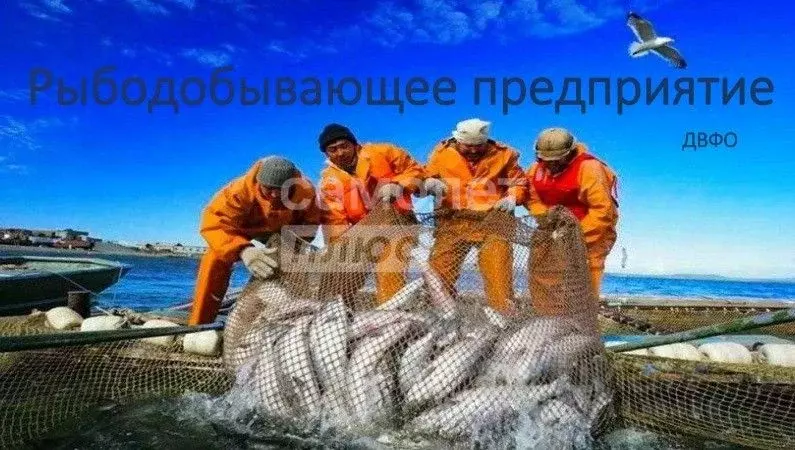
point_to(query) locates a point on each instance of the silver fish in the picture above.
(370, 381)
(295, 362)
(328, 340)
(294, 309)
(439, 295)
(268, 385)
(416, 358)
(450, 369)
(405, 298)
(495, 318)
(371, 322)
(558, 358)
(515, 355)
(479, 408)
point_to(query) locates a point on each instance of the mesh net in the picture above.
(448, 327)
(459, 335)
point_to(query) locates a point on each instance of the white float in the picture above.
(102, 323)
(207, 343)
(163, 341)
(63, 318)
(728, 352)
(678, 350)
(777, 354)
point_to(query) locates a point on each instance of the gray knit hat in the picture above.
(275, 171)
(553, 144)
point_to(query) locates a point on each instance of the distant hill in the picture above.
(701, 277)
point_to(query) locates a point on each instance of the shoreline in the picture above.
(110, 250)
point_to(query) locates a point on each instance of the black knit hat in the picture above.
(333, 132)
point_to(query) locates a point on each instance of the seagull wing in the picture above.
(641, 27)
(671, 55)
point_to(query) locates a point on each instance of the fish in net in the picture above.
(443, 342)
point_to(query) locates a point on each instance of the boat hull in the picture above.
(39, 282)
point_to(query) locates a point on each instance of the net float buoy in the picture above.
(729, 352)
(678, 350)
(63, 318)
(777, 354)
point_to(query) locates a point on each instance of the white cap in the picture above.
(472, 131)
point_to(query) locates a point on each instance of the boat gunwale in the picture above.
(100, 265)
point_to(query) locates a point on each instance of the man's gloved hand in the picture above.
(389, 192)
(507, 204)
(259, 261)
(435, 187)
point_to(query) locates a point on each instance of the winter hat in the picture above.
(553, 144)
(275, 171)
(333, 132)
(472, 131)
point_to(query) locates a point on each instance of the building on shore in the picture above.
(174, 249)
(66, 238)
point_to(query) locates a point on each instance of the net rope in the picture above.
(479, 329)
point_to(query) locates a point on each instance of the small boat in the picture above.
(43, 282)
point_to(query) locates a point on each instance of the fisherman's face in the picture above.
(274, 194)
(559, 165)
(471, 152)
(343, 153)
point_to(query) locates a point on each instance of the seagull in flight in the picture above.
(648, 41)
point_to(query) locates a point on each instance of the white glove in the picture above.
(435, 187)
(389, 192)
(507, 204)
(259, 262)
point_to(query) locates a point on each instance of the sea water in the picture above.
(160, 282)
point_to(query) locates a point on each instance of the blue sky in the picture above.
(123, 173)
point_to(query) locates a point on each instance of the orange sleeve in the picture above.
(432, 167)
(515, 178)
(221, 218)
(596, 191)
(534, 203)
(332, 210)
(409, 172)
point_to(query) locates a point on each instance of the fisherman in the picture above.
(272, 194)
(358, 176)
(472, 173)
(566, 174)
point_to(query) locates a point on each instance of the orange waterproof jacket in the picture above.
(480, 186)
(588, 187)
(239, 212)
(346, 198)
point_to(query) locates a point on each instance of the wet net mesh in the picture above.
(480, 329)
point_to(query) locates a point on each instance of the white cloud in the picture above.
(57, 6)
(15, 168)
(14, 95)
(456, 21)
(46, 9)
(138, 51)
(210, 57)
(187, 4)
(15, 133)
(148, 7)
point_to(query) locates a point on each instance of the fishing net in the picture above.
(474, 328)
(457, 326)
